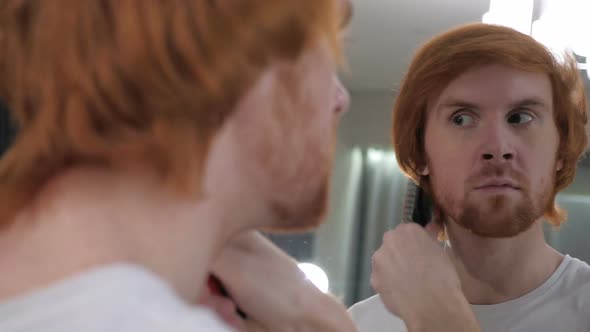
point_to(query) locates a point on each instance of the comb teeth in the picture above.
(410, 198)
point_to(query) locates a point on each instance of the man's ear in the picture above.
(559, 165)
(424, 171)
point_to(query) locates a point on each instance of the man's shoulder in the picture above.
(579, 265)
(153, 314)
(120, 315)
(372, 315)
(145, 302)
(156, 310)
(576, 277)
(577, 272)
(111, 298)
(568, 290)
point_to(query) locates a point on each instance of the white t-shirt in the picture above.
(562, 303)
(114, 298)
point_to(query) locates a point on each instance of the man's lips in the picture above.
(497, 184)
(495, 189)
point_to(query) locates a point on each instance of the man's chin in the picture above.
(297, 224)
(496, 232)
(302, 215)
(497, 227)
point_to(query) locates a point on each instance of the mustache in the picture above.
(498, 171)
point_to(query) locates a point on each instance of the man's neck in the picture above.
(494, 271)
(92, 220)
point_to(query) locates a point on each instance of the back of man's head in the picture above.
(447, 56)
(121, 83)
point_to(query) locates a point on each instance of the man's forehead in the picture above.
(495, 84)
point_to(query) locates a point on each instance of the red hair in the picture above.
(450, 54)
(115, 83)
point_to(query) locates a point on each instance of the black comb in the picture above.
(417, 205)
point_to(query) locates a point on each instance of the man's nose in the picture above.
(498, 143)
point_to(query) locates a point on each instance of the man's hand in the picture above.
(418, 282)
(273, 292)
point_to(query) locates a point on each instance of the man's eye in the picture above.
(462, 120)
(519, 118)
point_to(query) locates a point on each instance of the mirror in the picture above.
(367, 186)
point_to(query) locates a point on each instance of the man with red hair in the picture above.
(492, 125)
(153, 137)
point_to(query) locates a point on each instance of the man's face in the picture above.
(491, 144)
(286, 145)
(308, 132)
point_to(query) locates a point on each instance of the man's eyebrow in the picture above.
(527, 102)
(457, 103)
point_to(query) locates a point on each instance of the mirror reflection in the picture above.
(368, 186)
